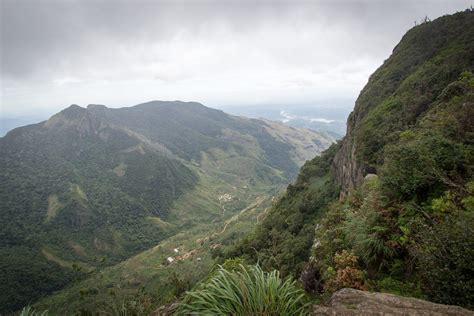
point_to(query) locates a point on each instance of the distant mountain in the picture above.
(92, 186)
(320, 117)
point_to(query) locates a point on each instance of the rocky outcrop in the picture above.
(84, 121)
(347, 170)
(355, 302)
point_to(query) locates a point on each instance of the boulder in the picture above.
(354, 302)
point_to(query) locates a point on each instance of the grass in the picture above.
(29, 311)
(245, 291)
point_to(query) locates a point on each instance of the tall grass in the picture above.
(29, 311)
(245, 291)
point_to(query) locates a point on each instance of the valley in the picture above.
(108, 184)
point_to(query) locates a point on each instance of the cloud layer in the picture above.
(218, 52)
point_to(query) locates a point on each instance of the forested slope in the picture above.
(391, 206)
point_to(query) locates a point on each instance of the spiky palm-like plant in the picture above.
(245, 291)
(29, 311)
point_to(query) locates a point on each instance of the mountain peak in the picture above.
(98, 110)
(96, 106)
(85, 120)
(73, 111)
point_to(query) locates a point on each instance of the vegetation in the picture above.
(390, 207)
(245, 290)
(29, 311)
(284, 239)
(90, 188)
(407, 227)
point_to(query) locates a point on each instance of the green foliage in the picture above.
(403, 288)
(29, 311)
(445, 252)
(412, 126)
(283, 241)
(347, 273)
(139, 304)
(92, 187)
(179, 284)
(27, 275)
(368, 230)
(245, 291)
(420, 71)
(406, 227)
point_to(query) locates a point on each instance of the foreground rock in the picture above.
(355, 302)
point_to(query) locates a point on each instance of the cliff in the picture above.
(429, 57)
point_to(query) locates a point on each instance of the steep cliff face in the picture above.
(348, 172)
(428, 58)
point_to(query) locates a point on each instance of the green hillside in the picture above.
(94, 186)
(390, 207)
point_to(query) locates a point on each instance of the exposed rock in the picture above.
(355, 302)
(370, 176)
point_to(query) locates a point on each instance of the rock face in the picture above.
(347, 169)
(355, 302)
(398, 94)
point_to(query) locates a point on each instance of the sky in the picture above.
(220, 53)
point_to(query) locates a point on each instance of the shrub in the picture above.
(246, 291)
(445, 252)
(348, 273)
(368, 228)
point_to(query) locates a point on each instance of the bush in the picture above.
(245, 291)
(348, 273)
(445, 252)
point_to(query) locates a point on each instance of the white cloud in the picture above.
(219, 53)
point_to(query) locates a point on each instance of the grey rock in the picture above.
(355, 302)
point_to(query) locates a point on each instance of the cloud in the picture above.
(218, 52)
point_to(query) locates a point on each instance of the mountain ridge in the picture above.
(92, 186)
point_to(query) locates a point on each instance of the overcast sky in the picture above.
(120, 53)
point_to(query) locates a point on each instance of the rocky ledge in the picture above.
(355, 302)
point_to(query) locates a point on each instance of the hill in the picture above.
(390, 206)
(93, 186)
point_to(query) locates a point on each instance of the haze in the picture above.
(220, 53)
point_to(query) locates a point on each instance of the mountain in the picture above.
(93, 186)
(390, 207)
